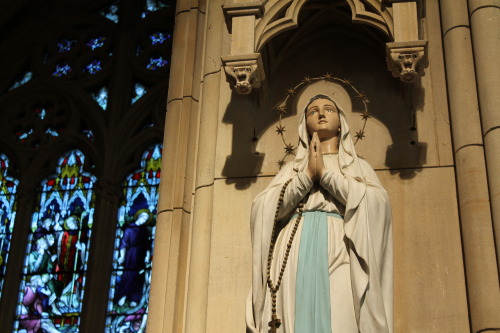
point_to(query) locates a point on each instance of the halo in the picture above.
(310, 87)
(144, 210)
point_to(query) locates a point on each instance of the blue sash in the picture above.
(312, 291)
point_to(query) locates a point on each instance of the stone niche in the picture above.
(403, 137)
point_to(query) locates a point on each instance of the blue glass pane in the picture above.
(61, 70)
(134, 243)
(23, 135)
(22, 80)
(41, 112)
(101, 97)
(139, 91)
(8, 189)
(95, 43)
(94, 67)
(159, 38)
(156, 62)
(88, 134)
(52, 286)
(153, 6)
(111, 12)
(52, 133)
(65, 45)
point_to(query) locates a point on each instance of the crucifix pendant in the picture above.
(274, 324)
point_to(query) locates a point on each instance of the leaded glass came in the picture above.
(51, 292)
(135, 233)
(8, 188)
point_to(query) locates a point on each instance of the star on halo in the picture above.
(307, 79)
(360, 135)
(290, 91)
(281, 109)
(362, 97)
(280, 129)
(281, 163)
(328, 77)
(366, 115)
(289, 149)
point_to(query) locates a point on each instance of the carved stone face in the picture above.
(322, 117)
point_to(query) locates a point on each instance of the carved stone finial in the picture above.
(407, 60)
(243, 72)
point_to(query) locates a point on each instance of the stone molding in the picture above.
(254, 23)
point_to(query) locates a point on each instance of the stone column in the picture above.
(168, 285)
(474, 206)
(485, 28)
(199, 263)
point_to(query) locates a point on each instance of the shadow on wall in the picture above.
(327, 42)
(244, 162)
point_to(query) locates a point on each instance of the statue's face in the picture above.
(322, 117)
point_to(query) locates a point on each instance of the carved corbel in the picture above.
(407, 55)
(243, 72)
(243, 67)
(407, 60)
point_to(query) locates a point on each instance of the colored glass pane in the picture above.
(62, 70)
(139, 91)
(156, 62)
(88, 134)
(51, 133)
(65, 45)
(95, 43)
(22, 80)
(8, 188)
(101, 97)
(153, 6)
(158, 38)
(134, 242)
(111, 12)
(94, 67)
(40, 112)
(52, 286)
(23, 135)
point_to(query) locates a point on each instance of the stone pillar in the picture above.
(173, 230)
(96, 298)
(474, 206)
(201, 233)
(485, 28)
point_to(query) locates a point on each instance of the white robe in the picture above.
(364, 262)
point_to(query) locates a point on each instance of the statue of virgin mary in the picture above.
(336, 276)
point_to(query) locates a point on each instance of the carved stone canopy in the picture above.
(254, 23)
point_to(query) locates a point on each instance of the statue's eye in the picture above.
(312, 112)
(330, 110)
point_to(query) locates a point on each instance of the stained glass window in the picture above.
(153, 6)
(94, 67)
(111, 12)
(101, 97)
(8, 188)
(22, 80)
(139, 91)
(159, 38)
(51, 292)
(62, 70)
(95, 43)
(156, 62)
(135, 233)
(65, 45)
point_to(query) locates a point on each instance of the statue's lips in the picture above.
(323, 122)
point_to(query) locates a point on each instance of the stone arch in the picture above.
(280, 16)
